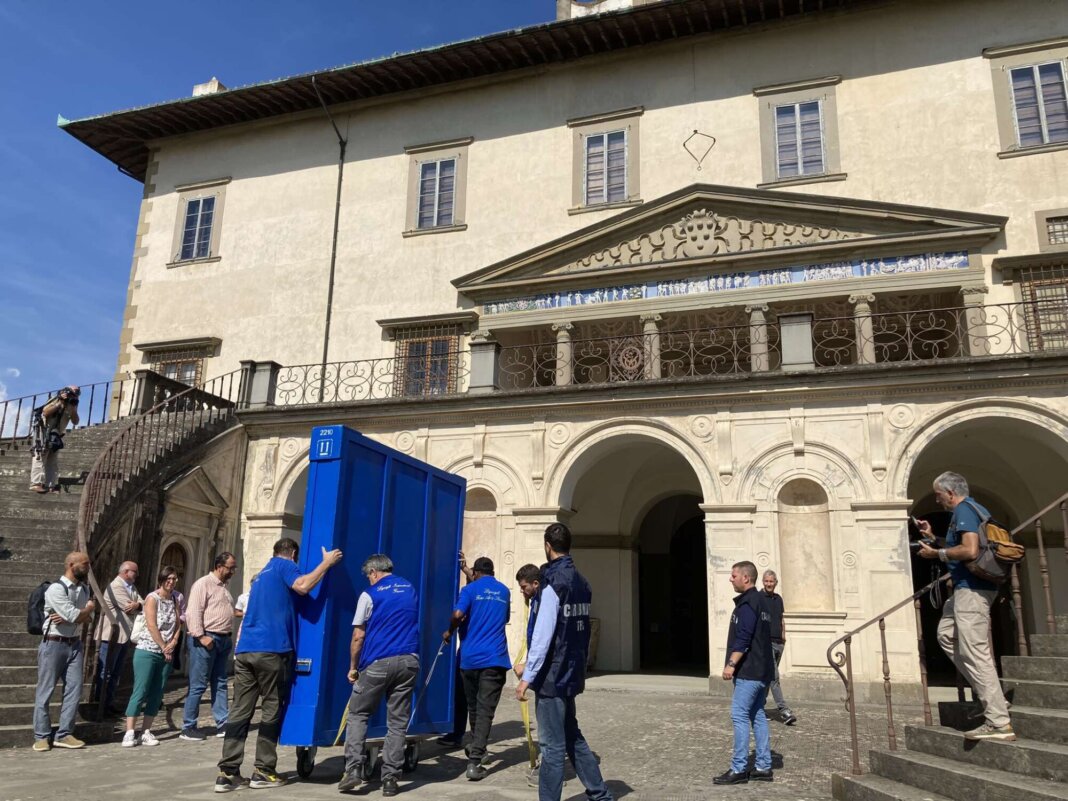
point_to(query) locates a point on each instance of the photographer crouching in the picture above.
(49, 425)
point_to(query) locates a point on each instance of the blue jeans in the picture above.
(57, 661)
(207, 668)
(558, 733)
(747, 709)
(104, 681)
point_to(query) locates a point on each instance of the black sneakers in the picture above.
(475, 771)
(228, 783)
(350, 781)
(761, 775)
(730, 777)
(193, 735)
(263, 780)
(389, 786)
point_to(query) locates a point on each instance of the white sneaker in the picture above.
(129, 740)
(148, 738)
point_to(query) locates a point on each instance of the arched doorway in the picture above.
(639, 539)
(1014, 468)
(177, 557)
(673, 588)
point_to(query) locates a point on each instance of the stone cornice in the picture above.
(862, 384)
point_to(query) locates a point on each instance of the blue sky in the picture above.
(67, 216)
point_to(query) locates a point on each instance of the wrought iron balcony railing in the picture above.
(432, 376)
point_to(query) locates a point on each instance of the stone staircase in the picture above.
(938, 764)
(36, 533)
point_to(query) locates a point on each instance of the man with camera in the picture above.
(49, 425)
(963, 631)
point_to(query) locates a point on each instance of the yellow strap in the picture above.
(341, 726)
(524, 705)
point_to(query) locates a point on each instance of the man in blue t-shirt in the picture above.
(481, 614)
(384, 661)
(262, 664)
(964, 630)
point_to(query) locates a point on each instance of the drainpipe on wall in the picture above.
(341, 143)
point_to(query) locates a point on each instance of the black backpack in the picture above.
(35, 616)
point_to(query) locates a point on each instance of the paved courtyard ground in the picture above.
(661, 740)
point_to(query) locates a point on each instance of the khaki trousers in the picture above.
(964, 634)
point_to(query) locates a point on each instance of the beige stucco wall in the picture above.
(916, 121)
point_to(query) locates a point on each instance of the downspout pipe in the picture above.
(341, 144)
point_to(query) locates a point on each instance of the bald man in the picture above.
(124, 601)
(59, 656)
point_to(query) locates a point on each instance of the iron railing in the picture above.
(668, 355)
(842, 660)
(1002, 329)
(434, 375)
(132, 461)
(99, 403)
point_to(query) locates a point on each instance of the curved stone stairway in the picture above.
(938, 764)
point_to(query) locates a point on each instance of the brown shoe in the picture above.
(70, 741)
(40, 488)
(42, 745)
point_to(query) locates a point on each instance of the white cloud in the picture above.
(12, 372)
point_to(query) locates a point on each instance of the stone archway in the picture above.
(1015, 465)
(621, 488)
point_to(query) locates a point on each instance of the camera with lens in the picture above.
(914, 546)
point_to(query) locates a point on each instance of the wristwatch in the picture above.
(731, 664)
(942, 554)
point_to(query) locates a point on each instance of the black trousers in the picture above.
(483, 690)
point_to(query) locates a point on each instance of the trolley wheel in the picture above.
(305, 761)
(367, 769)
(411, 757)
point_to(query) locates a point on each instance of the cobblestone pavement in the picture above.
(653, 745)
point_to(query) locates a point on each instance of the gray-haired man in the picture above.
(773, 604)
(964, 630)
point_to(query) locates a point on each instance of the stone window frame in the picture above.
(198, 190)
(1004, 59)
(1042, 219)
(627, 120)
(456, 149)
(772, 96)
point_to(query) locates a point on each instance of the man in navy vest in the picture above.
(384, 662)
(751, 666)
(481, 614)
(558, 645)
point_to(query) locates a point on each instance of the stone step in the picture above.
(1045, 694)
(1049, 644)
(1035, 723)
(871, 787)
(18, 657)
(963, 782)
(1026, 757)
(23, 674)
(14, 714)
(27, 581)
(25, 693)
(12, 554)
(48, 509)
(14, 608)
(22, 736)
(1041, 668)
(42, 566)
(18, 637)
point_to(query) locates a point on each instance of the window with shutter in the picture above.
(437, 187)
(606, 167)
(799, 139)
(1040, 103)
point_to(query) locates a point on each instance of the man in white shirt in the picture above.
(59, 656)
(123, 600)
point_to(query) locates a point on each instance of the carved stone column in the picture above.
(651, 337)
(864, 328)
(973, 300)
(564, 353)
(758, 338)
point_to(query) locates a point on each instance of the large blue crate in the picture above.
(366, 498)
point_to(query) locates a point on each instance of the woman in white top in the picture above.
(153, 657)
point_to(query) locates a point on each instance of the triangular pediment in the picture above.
(195, 490)
(728, 228)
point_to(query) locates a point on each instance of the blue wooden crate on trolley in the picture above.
(366, 498)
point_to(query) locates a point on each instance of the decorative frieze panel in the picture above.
(705, 233)
(725, 282)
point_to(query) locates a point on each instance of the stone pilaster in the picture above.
(864, 330)
(758, 338)
(564, 353)
(651, 336)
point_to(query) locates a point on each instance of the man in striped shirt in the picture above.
(209, 619)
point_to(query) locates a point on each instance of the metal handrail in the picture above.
(839, 659)
(133, 450)
(98, 400)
